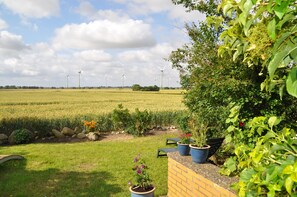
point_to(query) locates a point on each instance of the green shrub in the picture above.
(121, 118)
(21, 136)
(141, 123)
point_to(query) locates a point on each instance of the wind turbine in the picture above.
(67, 81)
(162, 76)
(123, 80)
(79, 73)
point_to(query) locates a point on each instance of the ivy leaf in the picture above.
(291, 82)
(271, 29)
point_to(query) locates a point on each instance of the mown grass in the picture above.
(100, 168)
(71, 103)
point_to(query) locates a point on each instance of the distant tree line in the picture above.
(137, 87)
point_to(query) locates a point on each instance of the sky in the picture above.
(112, 42)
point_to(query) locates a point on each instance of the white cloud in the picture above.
(101, 34)
(94, 55)
(156, 53)
(33, 8)
(86, 9)
(3, 24)
(10, 44)
(145, 7)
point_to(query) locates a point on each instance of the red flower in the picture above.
(241, 124)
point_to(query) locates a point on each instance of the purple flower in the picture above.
(139, 171)
(142, 166)
(136, 159)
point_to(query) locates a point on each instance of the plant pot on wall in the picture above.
(183, 149)
(199, 154)
(135, 193)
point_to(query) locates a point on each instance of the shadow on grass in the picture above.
(16, 180)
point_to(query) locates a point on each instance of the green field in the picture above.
(72, 103)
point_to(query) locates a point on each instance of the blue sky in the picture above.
(111, 41)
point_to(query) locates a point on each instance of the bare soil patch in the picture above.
(111, 136)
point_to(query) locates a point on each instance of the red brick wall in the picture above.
(183, 181)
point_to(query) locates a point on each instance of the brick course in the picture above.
(184, 182)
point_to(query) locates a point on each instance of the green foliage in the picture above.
(261, 155)
(141, 123)
(207, 7)
(198, 131)
(121, 118)
(137, 87)
(263, 35)
(183, 123)
(22, 136)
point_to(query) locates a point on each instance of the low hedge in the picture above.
(104, 122)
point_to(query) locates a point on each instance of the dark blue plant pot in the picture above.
(142, 194)
(199, 155)
(183, 149)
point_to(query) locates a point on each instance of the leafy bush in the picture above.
(141, 123)
(264, 159)
(137, 87)
(121, 118)
(21, 136)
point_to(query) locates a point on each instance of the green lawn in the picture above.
(100, 168)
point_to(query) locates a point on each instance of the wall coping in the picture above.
(207, 170)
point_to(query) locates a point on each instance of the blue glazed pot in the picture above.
(183, 149)
(142, 194)
(199, 154)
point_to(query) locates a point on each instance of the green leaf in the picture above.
(269, 135)
(287, 17)
(281, 9)
(276, 61)
(288, 169)
(246, 174)
(271, 29)
(280, 41)
(291, 82)
(289, 184)
(273, 121)
(242, 18)
(226, 8)
(294, 176)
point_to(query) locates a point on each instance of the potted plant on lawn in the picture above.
(143, 186)
(199, 149)
(183, 145)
